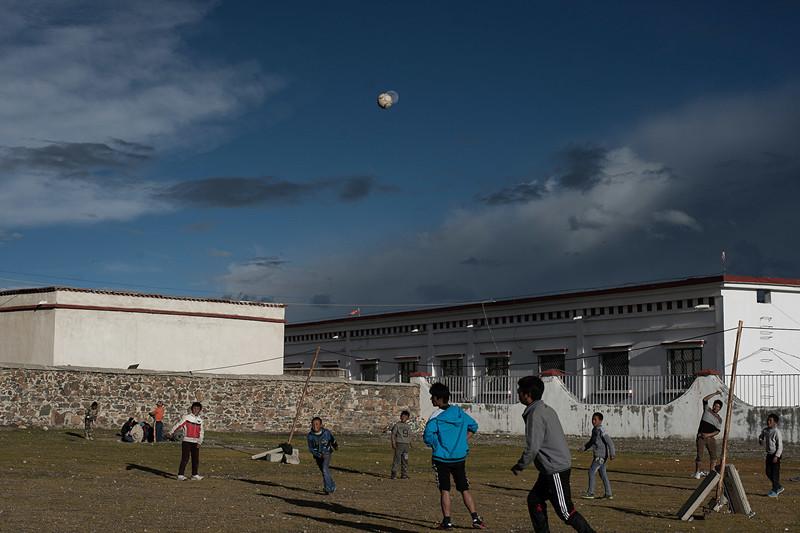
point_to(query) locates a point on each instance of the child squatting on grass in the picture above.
(602, 451)
(772, 439)
(321, 444)
(447, 432)
(193, 433)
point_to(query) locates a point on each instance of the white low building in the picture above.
(631, 344)
(60, 326)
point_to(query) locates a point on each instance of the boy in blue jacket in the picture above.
(446, 433)
(321, 444)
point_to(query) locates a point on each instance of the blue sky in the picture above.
(235, 148)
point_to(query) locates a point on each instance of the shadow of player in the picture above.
(360, 472)
(337, 508)
(150, 470)
(357, 526)
(276, 485)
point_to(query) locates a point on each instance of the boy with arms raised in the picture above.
(546, 447)
(446, 433)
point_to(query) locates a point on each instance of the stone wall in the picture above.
(58, 397)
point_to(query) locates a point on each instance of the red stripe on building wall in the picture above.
(47, 307)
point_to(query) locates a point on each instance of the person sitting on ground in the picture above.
(125, 431)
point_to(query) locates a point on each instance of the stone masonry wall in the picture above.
(59, 397)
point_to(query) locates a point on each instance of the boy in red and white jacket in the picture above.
(193, 431)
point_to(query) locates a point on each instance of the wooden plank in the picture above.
(699, 495)
(735, 491)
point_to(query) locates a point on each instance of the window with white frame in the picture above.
(554, 361)
(369, 371)
(406, 368)
(452, 367)
(615, 370)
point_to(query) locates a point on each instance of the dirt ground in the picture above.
(57, 481)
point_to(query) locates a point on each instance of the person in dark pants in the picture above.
(193, 433)
(321, 444)
(772, 440)
(546, 447)
(401, 444)
(158, 418)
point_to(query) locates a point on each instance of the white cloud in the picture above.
(91, 71)
(677, 218)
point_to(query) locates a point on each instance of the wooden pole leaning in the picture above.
(303, 396)
(728, 412)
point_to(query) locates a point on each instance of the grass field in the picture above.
(56, 481)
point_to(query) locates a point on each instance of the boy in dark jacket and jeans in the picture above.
(321, 444)
(546, 447)
(446, 433)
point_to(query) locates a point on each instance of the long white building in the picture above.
(630, 344)
(62, 326)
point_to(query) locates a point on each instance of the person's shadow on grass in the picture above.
(358, 526)
(353, 471)
(276, 485)
(337, 508)
(150, 470)
(76, 435)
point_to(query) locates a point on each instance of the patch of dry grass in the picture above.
(56, 481)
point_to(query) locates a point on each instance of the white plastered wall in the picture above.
(116, 339)
(26, 336)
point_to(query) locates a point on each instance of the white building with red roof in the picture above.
(64, 326)
(637, 344)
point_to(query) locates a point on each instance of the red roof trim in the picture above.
(46, 307)
(38, 290)
(687, 282)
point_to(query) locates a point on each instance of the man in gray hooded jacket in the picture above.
(546, 447)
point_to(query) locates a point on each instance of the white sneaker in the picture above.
(703, 473)
(181, 478)
(197, 477)
(697, 475)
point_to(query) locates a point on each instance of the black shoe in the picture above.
(478, 523)
(393, 476)
(445, 525)
(403, 477)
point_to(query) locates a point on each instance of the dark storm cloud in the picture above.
(441, 293)
(266, 262)
(517, 194)
(478, 262)
(577, 224)
(582, 166)
(247, 192)
(73, 158)
(321, 299)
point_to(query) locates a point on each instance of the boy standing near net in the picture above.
(602, 451)
(772, 439)
(546, 447)
(321, 444)
(401, 444)
(447, 432)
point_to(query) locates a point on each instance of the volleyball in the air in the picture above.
(388, 99)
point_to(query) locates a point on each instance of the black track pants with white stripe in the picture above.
(555, 489)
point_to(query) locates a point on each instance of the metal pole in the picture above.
(728, 410)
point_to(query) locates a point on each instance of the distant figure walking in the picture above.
(401, 444)
(89, 420)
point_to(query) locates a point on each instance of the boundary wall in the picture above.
(59, 397)
(678, 418)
